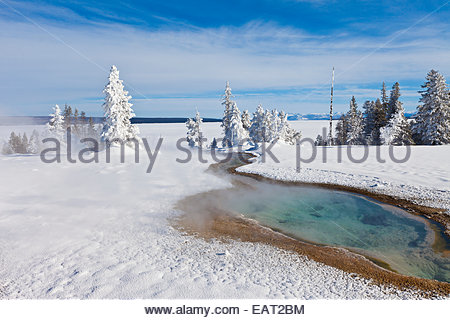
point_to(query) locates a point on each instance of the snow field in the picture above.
(102, 231)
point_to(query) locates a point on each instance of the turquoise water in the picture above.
(346, 220)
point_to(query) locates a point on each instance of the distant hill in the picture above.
(40, 120)
(326, 116)
(410, 114)
(313, 116)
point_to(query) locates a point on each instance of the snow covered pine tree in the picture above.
(236, 134)
(228, 104)
(266, 126)
(67, 116)
(397, 131)
(34, 145)
(354, 124)
(21, 144)
(341, 132)
(194, 134)
(246, 122)
(56, 125)
(392, 104)
(374, 120)
(320, 141)
(432, 122)
(285, 132)
(384, 98)
(118, 112)
(256, 130)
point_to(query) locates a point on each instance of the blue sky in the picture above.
(175, 56)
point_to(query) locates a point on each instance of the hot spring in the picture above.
(409, 244)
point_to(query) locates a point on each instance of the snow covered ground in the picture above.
(102, 231)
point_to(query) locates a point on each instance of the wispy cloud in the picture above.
(170, 71)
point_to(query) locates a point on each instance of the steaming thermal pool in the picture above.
(347, 220)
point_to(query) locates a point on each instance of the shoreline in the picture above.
(223, 225)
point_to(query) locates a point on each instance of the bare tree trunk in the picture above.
(330, 133)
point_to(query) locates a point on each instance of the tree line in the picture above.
(240, 128)
(57, 126)
(383, 121)
(116, 126)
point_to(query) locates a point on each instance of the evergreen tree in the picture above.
(67, 116)
(397, 131)
(214, 144)
(432, 122)
(379, 122)
(246, 123)
(320, 141)
(235, 133)
(34, 145)
(374, 120)
(75, 117)
(198, 120)
(369, 120)
(274, 125)
(194, 132)
(341, 131)
(266, 126)
(10, 146)
(75, 124)
(118, 111)
(23, 147)
(226, 120)
(190, 125)
(285, 132)
(17, 144)
(354, 124)
(56, 125)
(384, 98)
(393, 99)
(20, 144)
(256, 132)
(15, 141)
